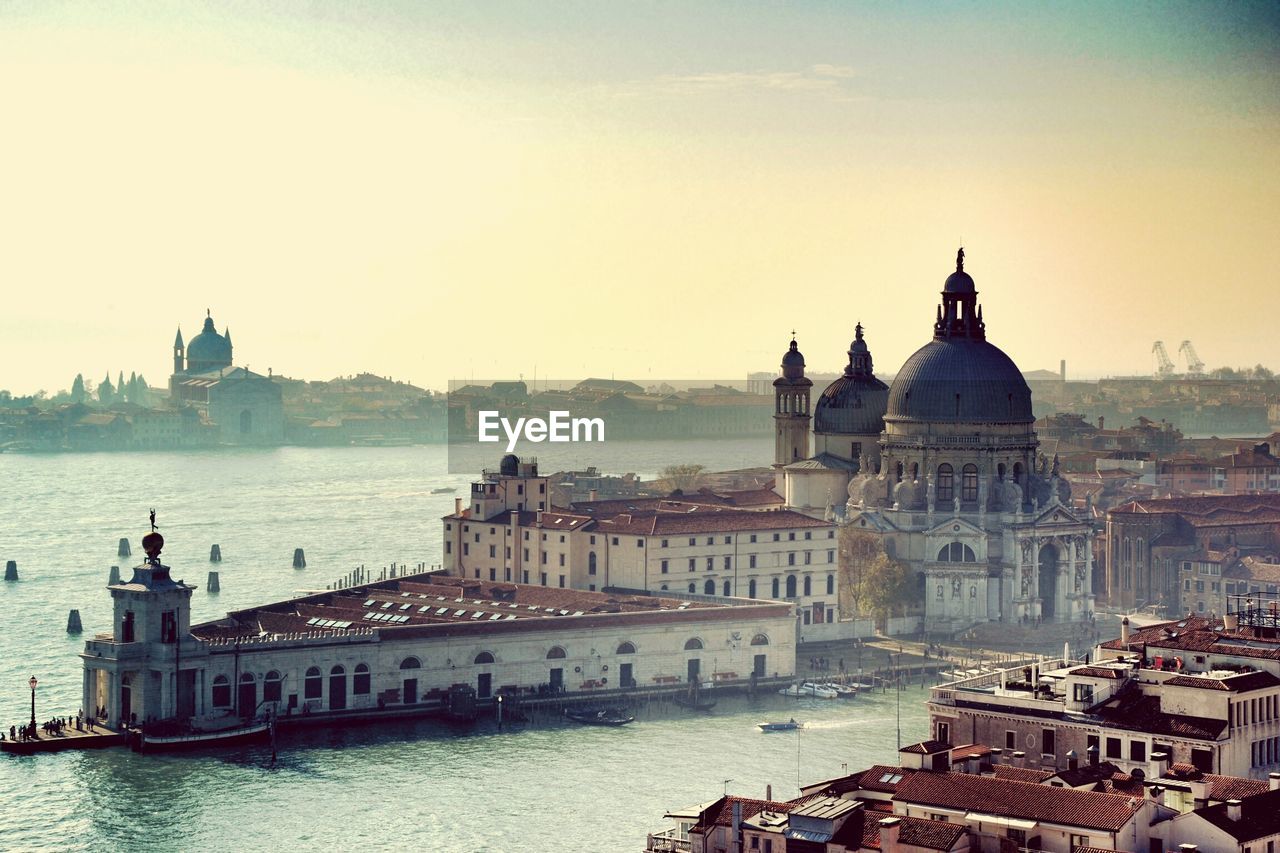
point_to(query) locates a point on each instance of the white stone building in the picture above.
(399, 645)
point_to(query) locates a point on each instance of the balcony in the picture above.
(670, 841)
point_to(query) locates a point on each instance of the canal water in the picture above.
(390, 786)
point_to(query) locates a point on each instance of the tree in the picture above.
(682, 477)
(872, 582)
(105, 391)
(77, 389)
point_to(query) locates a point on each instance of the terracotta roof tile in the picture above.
(1010, 798)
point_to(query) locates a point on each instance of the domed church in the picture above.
(944, 466)
(247, 407)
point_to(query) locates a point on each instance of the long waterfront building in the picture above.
(399, 645)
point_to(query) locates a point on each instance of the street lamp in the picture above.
(32, 683)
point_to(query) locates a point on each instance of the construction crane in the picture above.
(1164, 364)
(1195, 367)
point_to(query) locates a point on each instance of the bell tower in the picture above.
(791, 411)
(179, 353)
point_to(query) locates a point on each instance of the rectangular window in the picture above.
(711, 563)
(448, 547)
(493, 573)
(777, 537)
(543, 577)
(562, 581)
(752, 561)
(562, 559)
(727, 540)
(1011, 740)
(664, 567)
(639, 543)
(711, 540)
(726, 563)
(753, 537)
(808, 557)
(1082, 693)
(1048, 742)
(615, 540)
(493, 552)
(693, 541)
(466, 549)
(1137, 750)
(1113, 747)
(664, 543)
(831, 556)
(791, 558)
(693, 564)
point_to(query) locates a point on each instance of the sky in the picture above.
(435, 191)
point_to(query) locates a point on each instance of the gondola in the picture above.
(599, 716)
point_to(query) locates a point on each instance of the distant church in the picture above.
(942, 466)
(247, 407)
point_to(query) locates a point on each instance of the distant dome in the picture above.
(208, 350)
(509, 466)
(960, 380)
(855, 403)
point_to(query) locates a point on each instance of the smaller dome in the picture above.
(509, 466)
(959, 281)
(793, 357)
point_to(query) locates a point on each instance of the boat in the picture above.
(788, 726)
(599, 716)
(444, 490)
(160, 742)
(810, 690)
(843, 691)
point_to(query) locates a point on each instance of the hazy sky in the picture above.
(432, 190)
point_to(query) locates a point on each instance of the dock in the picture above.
(100, 738)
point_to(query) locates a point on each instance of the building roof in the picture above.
(1133, 711)
(1009, 798)
(1020, 774)
(926, 747)
(1198, 634)
(432, 604)
(1233, 684)
(1259, 817)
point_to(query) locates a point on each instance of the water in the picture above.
(392, 786)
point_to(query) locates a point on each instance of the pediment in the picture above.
(956, 528)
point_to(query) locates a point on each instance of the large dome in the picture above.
(960, 380)
(208, 350)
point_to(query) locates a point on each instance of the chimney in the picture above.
(1230, 622)
(768, 793)
(889, 827)
(1158, 764)
(457, 506)
(1234, 811)
(736, 837)
(1073, 760)
(1188, 848)
(997, 755)
(1062, 370)
(1273, 782)
(539, 517)
(1019, 758)
(1155, 791)
(1092, 754)
(593, 495)
(1124, 631)
(1199, 792)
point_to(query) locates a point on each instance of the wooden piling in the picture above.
(115, 575)
(73, 622)
(212, 585)
(123, 550)
(11, 570)
(299, 559)
(215, 554)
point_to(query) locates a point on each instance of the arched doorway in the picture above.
(248, 696)
(1048, 580)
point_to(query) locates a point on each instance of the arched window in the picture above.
(751, 588)
(484, 657)
(556, 653)
(709, 587)
(939, 592)
(776, 589)
(898, 472)
(831, 584)
(221, 692)
(664, 587)
(791, 586)
(692, 644)
(957, 552)
(759, 640)
(808, 585)
(1017, 473)
(915, 471)
(591, 563)
(693, 587)
(360, 681)
(946, 486)
(410, 663)
(627, 648)
(1000, 472)
(726, 588)
(973, 592)
(271, 687)
(338, 669)
(969, 483)
(313, 684)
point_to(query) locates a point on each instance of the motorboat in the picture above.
(843, 691)
(809, 690)
(599, 716)
(788, 726)
(444, 490)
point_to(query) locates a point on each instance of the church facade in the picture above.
(944, 466)
(247, 407)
